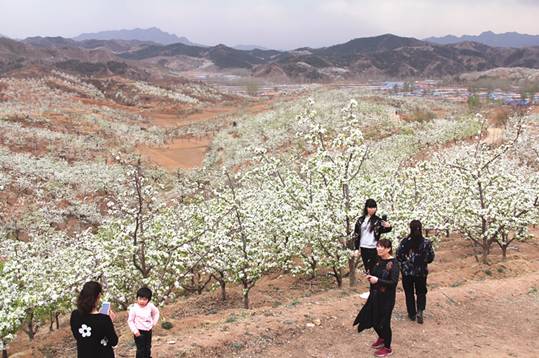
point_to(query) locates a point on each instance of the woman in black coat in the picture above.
(376, 312)
(414, 254)
(93, 331)
(367, 232)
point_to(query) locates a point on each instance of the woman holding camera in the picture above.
(414, 254)
(367, 232)
(93, 331)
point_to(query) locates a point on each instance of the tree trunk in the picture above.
(195, 281)
(352, 268)
(57, 318)
(312, 267)
(222, 283)
(30, 331)
(504, 252)
(4, 353)
(338, 276)
(484, 256)
(245, 297)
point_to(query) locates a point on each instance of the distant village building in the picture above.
(392, 85)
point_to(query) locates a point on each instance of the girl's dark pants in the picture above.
(144, 344)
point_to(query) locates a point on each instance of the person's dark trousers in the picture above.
(419, 285)
(144, 344)
(369, 257)
(384, 330)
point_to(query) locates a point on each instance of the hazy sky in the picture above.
(282, 24)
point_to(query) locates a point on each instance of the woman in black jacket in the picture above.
(414, 254)
(367, 232)
(376, 312)
(93, 331)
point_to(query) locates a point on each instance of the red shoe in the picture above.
(383, 352)
(379, 343)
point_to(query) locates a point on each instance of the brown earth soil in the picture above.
(473, 310)
(184, 153)
(189, 152)
(494, 135)
(167, 119)
(172, 120)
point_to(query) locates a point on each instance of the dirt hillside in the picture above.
(473, 310)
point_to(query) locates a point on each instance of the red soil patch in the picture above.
(172, 120)
(189, 152)
(166, 119)
(182, 153)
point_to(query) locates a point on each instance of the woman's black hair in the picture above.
(370, 203)
(387, 244)
(88, 296)
(416, 234)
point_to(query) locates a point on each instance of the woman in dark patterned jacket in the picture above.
(93, 331)
(376, 312)
(414, 254)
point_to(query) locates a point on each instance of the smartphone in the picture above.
(105, 308)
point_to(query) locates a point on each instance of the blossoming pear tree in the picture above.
(321, 191)
(491, 194)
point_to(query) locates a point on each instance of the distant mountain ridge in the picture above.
(50, 42)
(221, 55)
(152, 34)
(365, 45)
(249, 47)
(385, 56)
(380, 56)
(489, 38)
(54, 52)
(116, 46)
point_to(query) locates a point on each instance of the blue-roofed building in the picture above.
(392, 85)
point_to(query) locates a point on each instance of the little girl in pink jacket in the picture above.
(143, 315)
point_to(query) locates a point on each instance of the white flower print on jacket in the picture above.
(85, 331)
(104, 342)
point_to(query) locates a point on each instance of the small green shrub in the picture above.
(167, 325)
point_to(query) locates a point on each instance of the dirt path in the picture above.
(477, 320)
